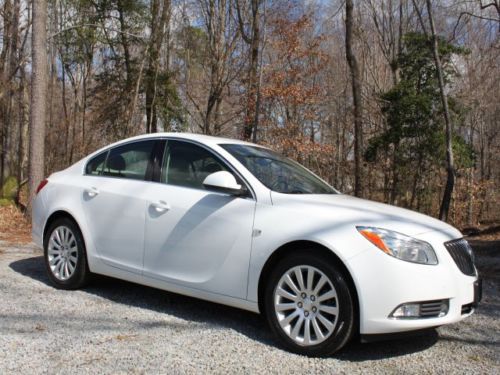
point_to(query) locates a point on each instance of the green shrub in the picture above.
(9, 188)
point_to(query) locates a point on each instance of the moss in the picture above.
(9, 188)
(6, 202)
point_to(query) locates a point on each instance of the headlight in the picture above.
(400, 246)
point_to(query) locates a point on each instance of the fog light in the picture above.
(408, 310)
(421, 310)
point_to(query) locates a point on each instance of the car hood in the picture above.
(344, 209)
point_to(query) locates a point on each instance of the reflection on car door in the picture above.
(194, 237)
(114, 202)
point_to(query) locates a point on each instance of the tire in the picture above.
(333, 300)
(65, 255)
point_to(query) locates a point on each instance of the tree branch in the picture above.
(95, 25)
(245, 37)
(420, 19)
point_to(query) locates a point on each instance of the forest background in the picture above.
(392, 100)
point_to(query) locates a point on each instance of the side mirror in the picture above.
(222, 181)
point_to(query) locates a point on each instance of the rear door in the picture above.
(115, 202)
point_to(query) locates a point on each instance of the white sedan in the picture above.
(238, 224)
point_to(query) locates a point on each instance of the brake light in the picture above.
(41, 185)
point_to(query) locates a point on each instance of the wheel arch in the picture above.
(57, 215)
(316, 249)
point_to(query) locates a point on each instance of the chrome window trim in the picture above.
(108, 151)
(226, 163)
(167, 138)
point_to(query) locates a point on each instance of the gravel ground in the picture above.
(118, 327)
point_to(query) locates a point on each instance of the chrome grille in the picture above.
(461, 252)
(433, 309)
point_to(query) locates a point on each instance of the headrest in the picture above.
(116, 162)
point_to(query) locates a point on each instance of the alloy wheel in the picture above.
(306, 305)
(62, 253)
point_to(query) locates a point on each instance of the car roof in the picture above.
(202, 138)
(208, 140)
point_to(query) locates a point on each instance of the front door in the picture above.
(194, 237)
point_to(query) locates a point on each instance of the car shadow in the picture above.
(214, 315)
(357, 351)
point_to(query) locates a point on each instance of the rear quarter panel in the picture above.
(64, 192)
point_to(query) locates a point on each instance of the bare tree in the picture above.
(281, 69)
(252, 38)
(160, 14)
(221, 65)
(38, 96)
(8, 66)
(357, 98)
(450, 165)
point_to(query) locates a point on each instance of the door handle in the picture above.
(92, 192)
(160, 206)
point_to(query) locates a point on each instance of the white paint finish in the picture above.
(384, 282)
(115, 219)
(203, 241)
(345, 210)
(222, 180)
(213, 246)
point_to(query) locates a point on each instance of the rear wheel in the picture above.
(309, 305)
(65, 255)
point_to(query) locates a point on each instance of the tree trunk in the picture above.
(8, 47)
(159, 20)
(38, 96)
(21, 135)
(251, 110)
(218, 41)
(450, 167)
(124, 41)
(357, 99)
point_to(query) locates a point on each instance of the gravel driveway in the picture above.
(117, 327)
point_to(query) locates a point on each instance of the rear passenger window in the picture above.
(129, 161)
(95, 166)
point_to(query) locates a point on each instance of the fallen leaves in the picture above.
(14, 227)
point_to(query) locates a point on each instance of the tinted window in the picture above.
(129, 161)
(277, 172)
(94, 166)
(186, 164)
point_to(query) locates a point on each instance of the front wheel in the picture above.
(309, 305)
(65, 255)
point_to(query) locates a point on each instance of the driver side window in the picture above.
(186, 164)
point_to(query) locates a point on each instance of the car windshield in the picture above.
(277, 172)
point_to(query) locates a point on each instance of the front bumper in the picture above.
(384, 282)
